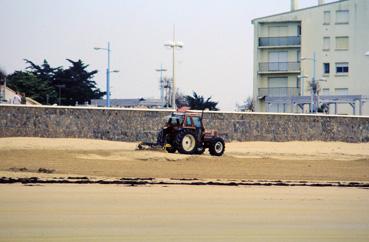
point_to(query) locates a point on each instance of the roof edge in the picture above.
(298, 10)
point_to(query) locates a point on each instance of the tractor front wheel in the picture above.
(217, 147)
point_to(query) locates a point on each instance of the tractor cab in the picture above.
(185, 120)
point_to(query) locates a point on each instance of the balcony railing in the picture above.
(279, 67)
(279, 41)
(279, 92)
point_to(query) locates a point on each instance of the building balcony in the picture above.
(279, 92)
(279, 67)
(280, 42)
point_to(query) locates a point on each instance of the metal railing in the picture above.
(279, 41)
(279, 92)
(279, 66)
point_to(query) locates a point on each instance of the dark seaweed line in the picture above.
(152, 181)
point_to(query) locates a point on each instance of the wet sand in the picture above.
(182, 213)
(297, 161)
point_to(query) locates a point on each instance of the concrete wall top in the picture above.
(173, 110)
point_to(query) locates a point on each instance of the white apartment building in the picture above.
(337, 34)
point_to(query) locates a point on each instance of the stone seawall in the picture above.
(138, 125)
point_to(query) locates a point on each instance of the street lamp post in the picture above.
(161, 70)
(60, 87)
(174, 45)
(302, 80)
(107, 74)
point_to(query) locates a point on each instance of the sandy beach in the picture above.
(286, 210)
(297, 161)
(182, 213)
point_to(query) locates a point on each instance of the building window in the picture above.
(299, 31)
(342, 68)
(298, 82)
(278, 61)
(298, 56)
(327, 17)
(326, 68)
(278, 31)
(277, 86)
(342, 43)
(342, 16)
(325, 92)
(341, 91)
(326, 43)
(277, 108)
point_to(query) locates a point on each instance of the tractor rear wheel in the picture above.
(217, 147)
(186, 142)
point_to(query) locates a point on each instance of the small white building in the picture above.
(7, 95)
(337, 34)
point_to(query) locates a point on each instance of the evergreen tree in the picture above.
(2, 77)
(46, 75)
(43, 81)
(79, 84)
(35, 88)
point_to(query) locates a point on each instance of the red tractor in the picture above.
(184, 132)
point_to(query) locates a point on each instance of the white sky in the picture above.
(216, 61)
